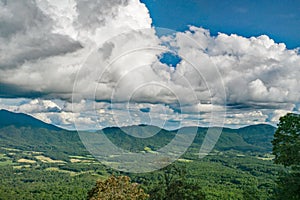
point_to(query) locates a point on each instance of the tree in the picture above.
(173, 184)
(286, 148)
(117, 188)
(286, 143)
(288, 185)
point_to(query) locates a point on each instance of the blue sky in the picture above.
(280, 20)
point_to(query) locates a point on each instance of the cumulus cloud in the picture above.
(45, 43)
(25, 35)
(36, 106)
(43, 55)
(254, 70)
(96, 115)
(90, 52)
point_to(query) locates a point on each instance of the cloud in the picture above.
(91, 52)
(43, 55)
(274, 117)
(25, 35)
(254, 70)
(45, 43)
(37, 106)
(96, 115)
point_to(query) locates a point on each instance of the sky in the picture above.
(278, 19)
(90, 64)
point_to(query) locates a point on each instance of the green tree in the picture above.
(286, 143)
(286, 148)
(173, 184)
(117, 188)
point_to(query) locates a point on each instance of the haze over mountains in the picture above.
(24, 132)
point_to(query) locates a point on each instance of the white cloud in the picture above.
(96, 115)
(111, 53)
(253, 69)
(26, 35)
(276, 114)
(52, 40)
(246, 117)
(37, 106)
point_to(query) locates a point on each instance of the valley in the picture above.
(38, 163)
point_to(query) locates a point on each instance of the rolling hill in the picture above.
(24, 132)
(41, 161)
(21, 131)
(255, 138)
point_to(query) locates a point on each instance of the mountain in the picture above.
(259, 135)
(24, 132)
(250, 138)
(8, 118)
(21, 131)
(255, 138)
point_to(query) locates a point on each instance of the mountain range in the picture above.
(21, 131)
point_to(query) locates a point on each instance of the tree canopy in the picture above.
(118, 188)
(286, 143)
(286, 148)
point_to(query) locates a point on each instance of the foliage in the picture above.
(117, 188)
(239, 167)
(224, 175)
(286, 148)
(286, 143)
(252, 138)
(33, 184)
(288, 185)
(55, 144)
(174, 185)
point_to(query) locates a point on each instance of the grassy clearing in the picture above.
(23, 160)
(71, 173)
(21, 166)
(56, 169)
(2, 155)
(11, 149)
(45, 159)
(88, 157)
(184, 160)
(263, 158)
(6, 162)
(74, 160)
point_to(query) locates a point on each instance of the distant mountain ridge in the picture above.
(8, 118)
(21, 131)
(250, 138)
(24, 132)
